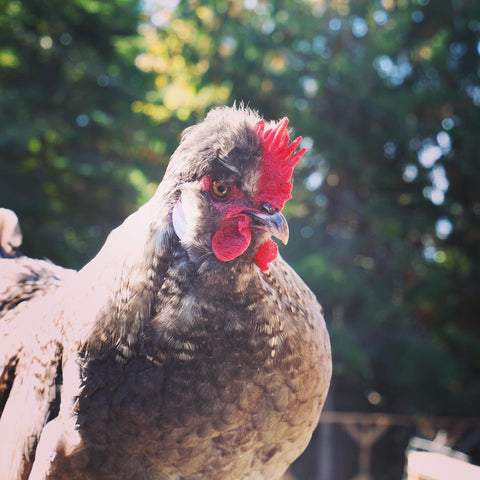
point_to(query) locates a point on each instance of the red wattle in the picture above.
(232, 239)
(266, 253)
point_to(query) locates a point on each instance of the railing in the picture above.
(366, 429)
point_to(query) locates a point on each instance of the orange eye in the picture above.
(221, 190)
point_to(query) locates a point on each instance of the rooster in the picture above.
(187, 348)
(10, 233)
(21, 278)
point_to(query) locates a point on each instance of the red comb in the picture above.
(277, 165)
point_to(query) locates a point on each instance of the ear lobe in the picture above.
(178, 220)
(232, 239)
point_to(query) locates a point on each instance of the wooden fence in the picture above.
(367, 429)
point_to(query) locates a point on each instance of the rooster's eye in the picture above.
(221, 190)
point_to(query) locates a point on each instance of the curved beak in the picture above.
(274, 223)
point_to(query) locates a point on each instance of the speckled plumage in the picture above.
(174, 365)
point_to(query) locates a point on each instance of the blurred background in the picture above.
(385, 219)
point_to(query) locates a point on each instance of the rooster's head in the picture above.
(232, 174)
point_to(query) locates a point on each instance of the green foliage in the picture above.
(70, 147)
(386, 94)
(385, 220)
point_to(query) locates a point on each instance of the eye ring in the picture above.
(221, 189)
